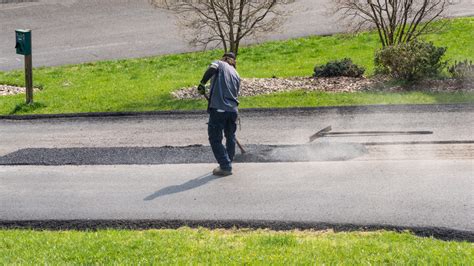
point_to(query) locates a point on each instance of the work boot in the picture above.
(221, 172)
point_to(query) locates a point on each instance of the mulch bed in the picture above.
(263, 86)
(11, 90)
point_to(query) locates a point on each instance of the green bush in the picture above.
(462, 70)
(410, 61)
(338, 68)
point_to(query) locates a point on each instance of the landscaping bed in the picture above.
(264, 86)
(6, 90)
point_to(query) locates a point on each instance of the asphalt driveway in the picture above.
(154, 170)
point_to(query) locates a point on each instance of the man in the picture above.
(222, 109)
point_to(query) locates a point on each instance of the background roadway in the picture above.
(71, 31)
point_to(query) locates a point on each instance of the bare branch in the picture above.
(226, 22)
(396, 21)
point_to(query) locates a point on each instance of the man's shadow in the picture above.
(191, 184)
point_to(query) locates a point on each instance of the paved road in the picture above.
(423, 185)
(447, 122)
(71, 31)
(433, 194)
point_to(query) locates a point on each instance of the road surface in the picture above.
(404, 181)
(71, 31)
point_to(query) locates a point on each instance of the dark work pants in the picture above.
(222, 123)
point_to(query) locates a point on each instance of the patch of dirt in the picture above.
(263, 86)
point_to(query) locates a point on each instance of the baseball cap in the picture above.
(230, 54)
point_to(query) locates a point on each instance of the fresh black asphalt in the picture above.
(181, 155)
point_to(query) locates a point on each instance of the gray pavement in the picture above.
(277, 127)
(433, 194)
(409, 181)
(71, 31)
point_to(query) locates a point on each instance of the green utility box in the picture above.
(23, 42)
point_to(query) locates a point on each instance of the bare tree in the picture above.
(226, 22)
(397, 21)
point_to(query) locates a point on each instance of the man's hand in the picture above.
(202, 89)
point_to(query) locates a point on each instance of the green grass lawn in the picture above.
(144, 84)
(220, 247)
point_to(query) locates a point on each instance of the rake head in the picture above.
(320, 133)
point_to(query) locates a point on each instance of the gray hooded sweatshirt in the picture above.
(225, 86)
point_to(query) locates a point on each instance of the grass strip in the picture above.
(145, 84)
(224, 247)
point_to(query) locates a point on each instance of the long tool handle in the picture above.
(242, 150)
(381, 133)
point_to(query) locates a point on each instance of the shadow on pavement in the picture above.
(191, 184)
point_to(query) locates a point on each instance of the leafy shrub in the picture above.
(462, 70)
(410, 61)
(338, 68)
